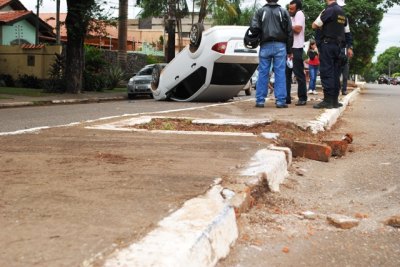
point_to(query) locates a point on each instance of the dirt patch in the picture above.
(286, 130)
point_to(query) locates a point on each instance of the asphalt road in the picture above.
(14, 119)
(365, 184)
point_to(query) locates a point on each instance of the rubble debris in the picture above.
(309, 215)
(360, 215)
(319, 152)
(339, 147)
(342, 221)
(393, 221)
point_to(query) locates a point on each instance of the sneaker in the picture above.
(281, 105)
(259, 105)
(344, 93)
(301, 103)
(310, 91)
(314, 92)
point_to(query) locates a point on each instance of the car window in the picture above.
(146, 71)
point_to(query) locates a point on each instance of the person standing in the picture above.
(273, 24)
(298, 26)
(349, 52)
(313, 66)
(332, 41)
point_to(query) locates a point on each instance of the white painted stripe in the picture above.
(36, 129)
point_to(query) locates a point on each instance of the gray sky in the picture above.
(389, 34)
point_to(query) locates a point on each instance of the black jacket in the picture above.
(274, 24)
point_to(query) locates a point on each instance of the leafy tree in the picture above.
(172, 11)
(389, 61)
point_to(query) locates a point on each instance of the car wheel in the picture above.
(247, 91)
(131, 96)
(195, 34)
(155, 77)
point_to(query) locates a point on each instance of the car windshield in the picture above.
(145, 71)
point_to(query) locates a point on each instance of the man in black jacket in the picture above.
(273, 24)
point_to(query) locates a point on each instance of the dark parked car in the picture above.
(383, 80)
(394, 81)
(140, 83)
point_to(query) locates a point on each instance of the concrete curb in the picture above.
(329, 117)
(203, 230)
(184, 238)
(61, 101)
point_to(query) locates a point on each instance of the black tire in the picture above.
(155, 77)
(131, 96)
(195, 34)
(247, 91)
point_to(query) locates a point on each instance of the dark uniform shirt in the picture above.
(334, 21)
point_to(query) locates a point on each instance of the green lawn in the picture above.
(39, 92)
(21, 92)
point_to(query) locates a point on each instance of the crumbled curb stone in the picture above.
(269, 165)
(394, 221)
(342, 221)
(309, 215)
(286, 150)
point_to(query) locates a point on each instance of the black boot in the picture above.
(336, 103)
(326, 103)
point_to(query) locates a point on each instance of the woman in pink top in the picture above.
(313, 66)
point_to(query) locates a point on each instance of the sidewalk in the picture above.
(105, 193)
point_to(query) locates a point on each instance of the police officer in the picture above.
(331, 58)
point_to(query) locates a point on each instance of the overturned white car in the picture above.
(215, 67)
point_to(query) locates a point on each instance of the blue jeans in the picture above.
(313, 70)
(271, 53)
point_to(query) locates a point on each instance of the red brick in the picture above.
(320, 152)
(339, 148)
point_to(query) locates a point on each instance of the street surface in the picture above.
(13, 119)
(68, 194)
(365, 184)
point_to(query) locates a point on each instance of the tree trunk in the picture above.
(171, 40)
(122, 33)
(58, 41)
(171, 30)
(203, 10)
(76, 30)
